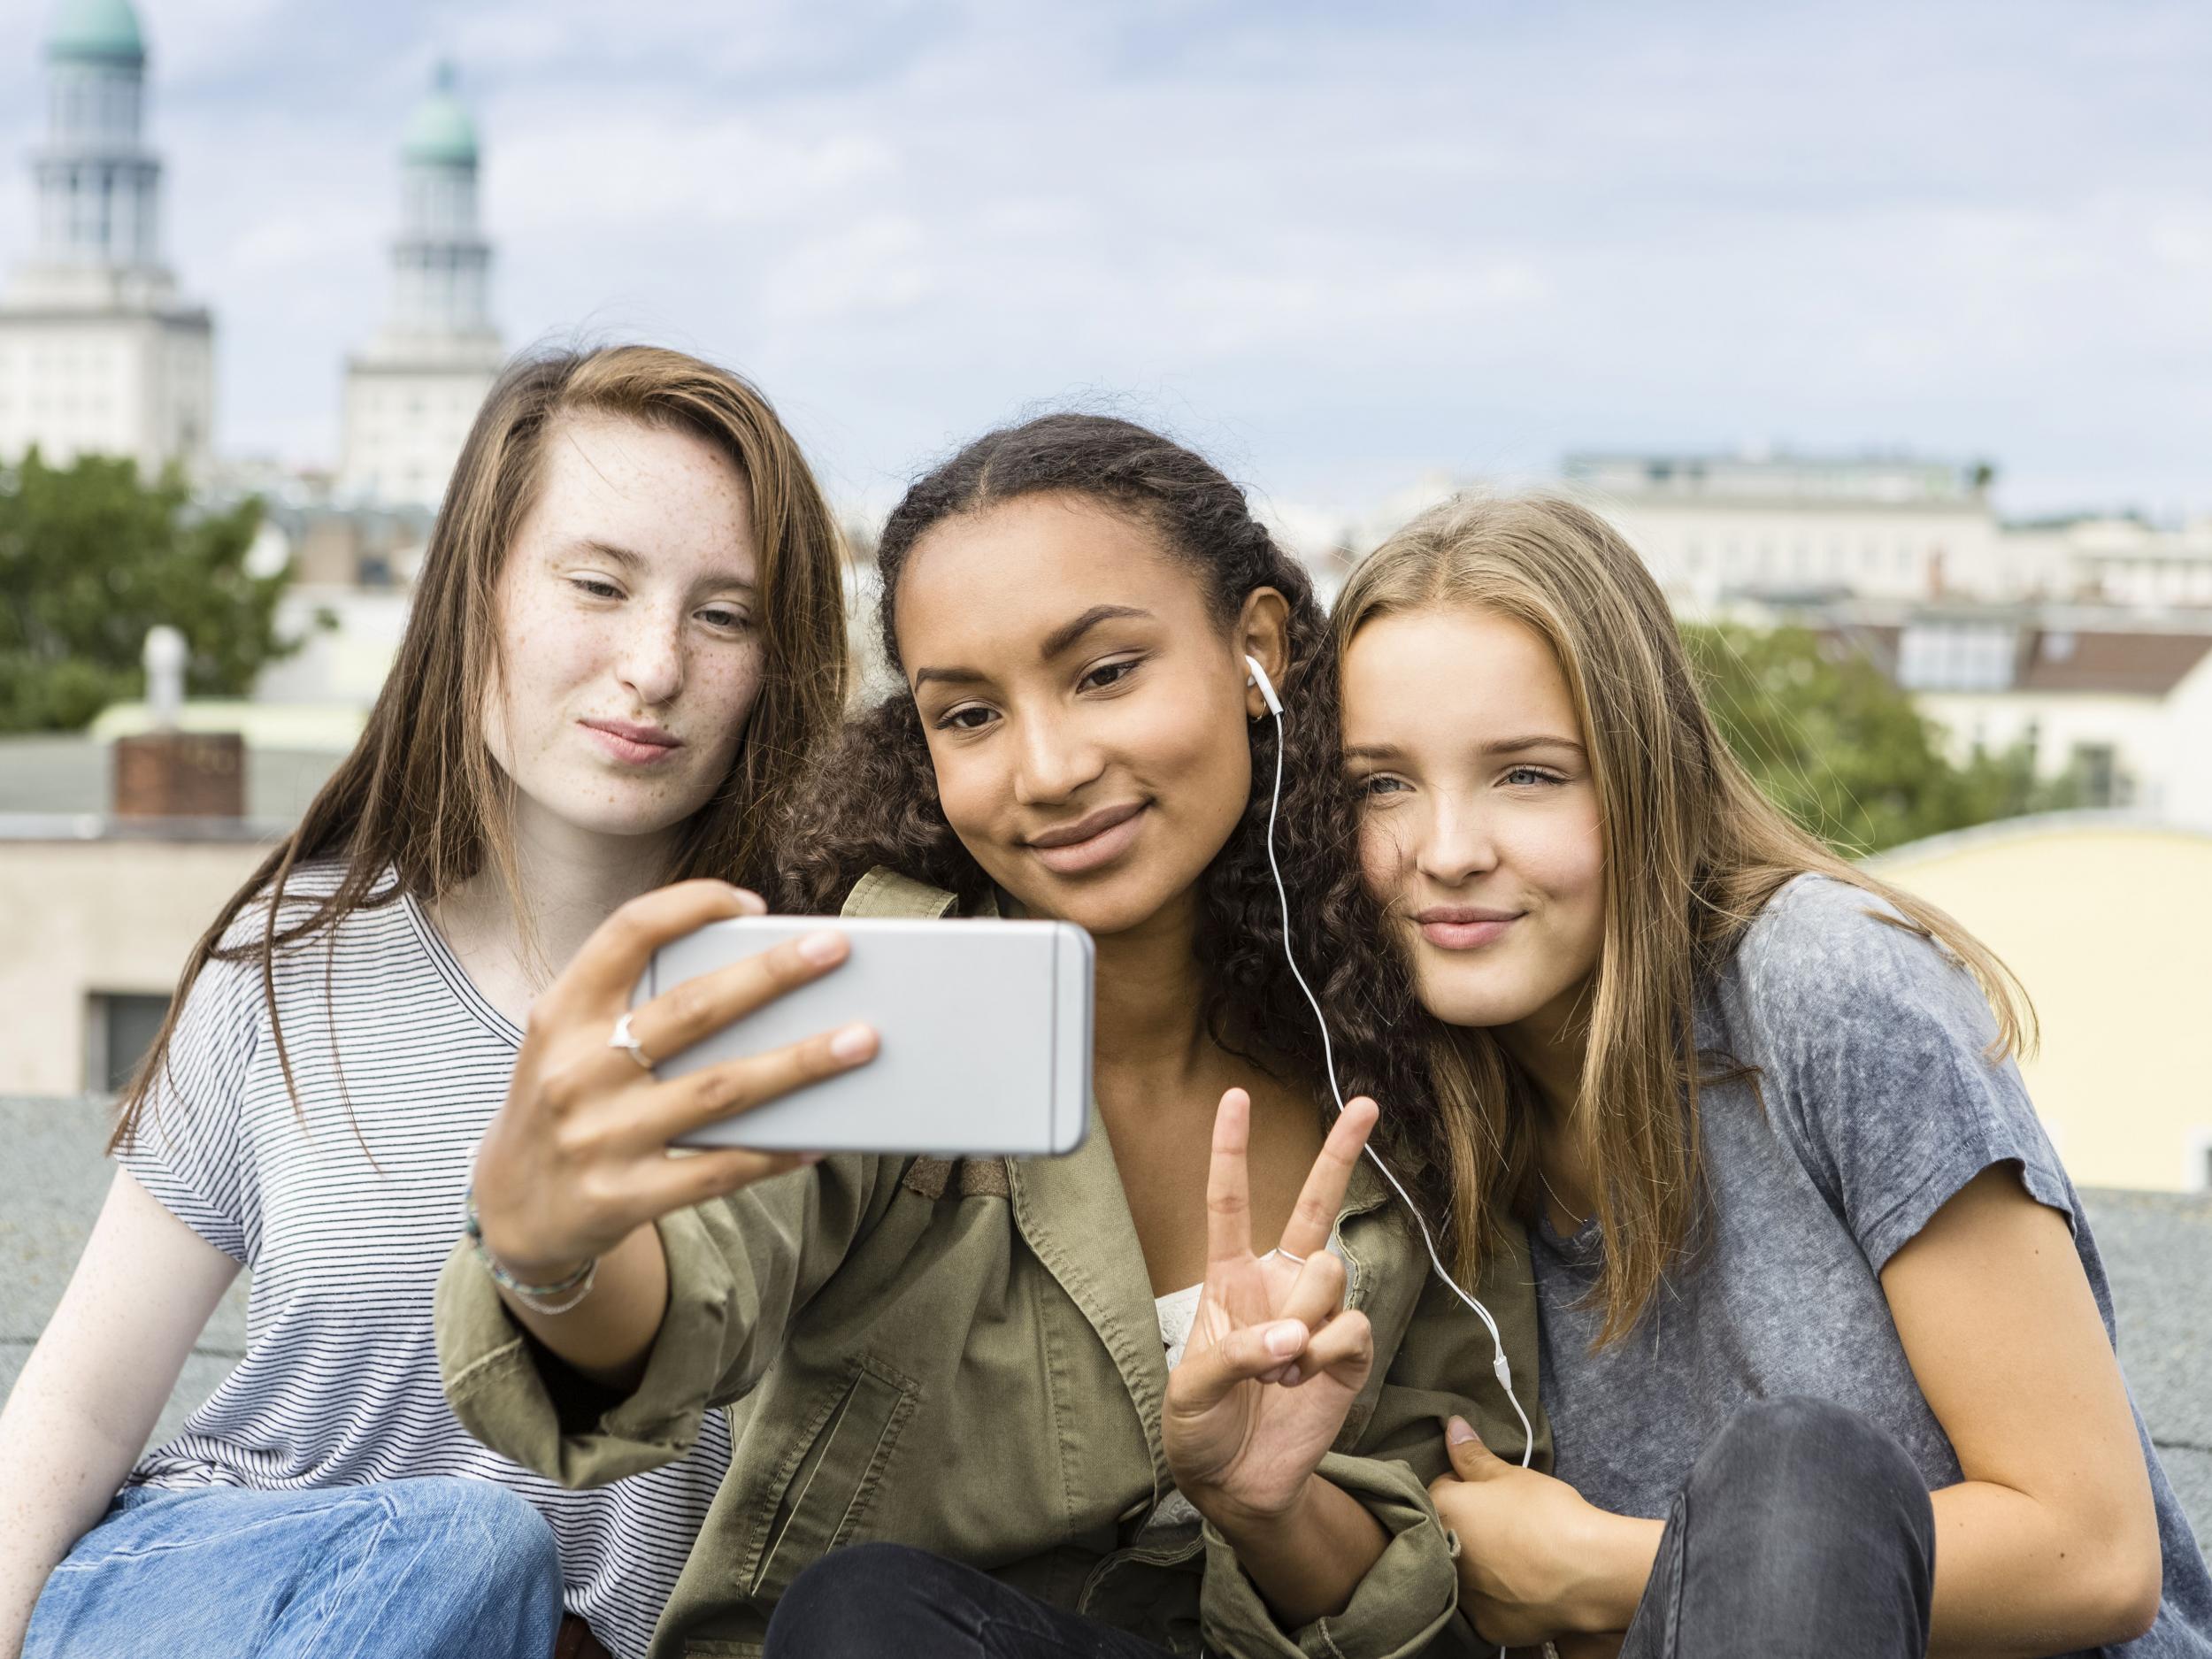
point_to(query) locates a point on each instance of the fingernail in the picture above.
(822, 947)
(1286, 1338)
(750, 902)
(853, 1043)
(1458, 1433)
(807, 1159)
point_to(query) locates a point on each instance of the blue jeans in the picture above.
(397, 1569)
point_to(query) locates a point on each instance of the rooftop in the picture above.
(61, 787)
(2157, 1248)
(1779, 478)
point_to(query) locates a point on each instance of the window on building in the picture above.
(119, 1028)
(2096, 766)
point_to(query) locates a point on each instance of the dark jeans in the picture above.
(899, 1603)
(1804, 1529)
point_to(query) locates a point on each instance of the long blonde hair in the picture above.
(420, 796)
(1692, 850)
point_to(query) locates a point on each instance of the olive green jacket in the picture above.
(967, 1358)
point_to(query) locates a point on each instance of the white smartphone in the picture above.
(984, 1031)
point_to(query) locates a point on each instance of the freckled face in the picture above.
(1086, 714)
(626, 613)
(1479, 826)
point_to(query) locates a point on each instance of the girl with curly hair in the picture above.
(1185, 1386)
(1815, 1291)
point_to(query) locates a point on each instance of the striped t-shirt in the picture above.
(345, 1208)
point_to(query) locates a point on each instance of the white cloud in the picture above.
(1349, 246)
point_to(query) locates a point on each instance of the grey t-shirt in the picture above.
(1878, 1106)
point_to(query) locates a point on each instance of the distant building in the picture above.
(412, 391)
(1710, 526)
(2119, 561)
(99, 353)
(2120, 699)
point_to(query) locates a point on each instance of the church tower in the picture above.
(98, 355)
(412, 391)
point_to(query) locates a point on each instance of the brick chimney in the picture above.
(168, 773)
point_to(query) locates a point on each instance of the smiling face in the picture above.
(626, 613)
(1480, 830)
(1087, 712)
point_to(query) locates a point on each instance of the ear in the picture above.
(1263, 631)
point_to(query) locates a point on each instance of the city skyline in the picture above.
(1340, 256)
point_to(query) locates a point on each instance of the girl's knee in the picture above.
(1814, 1449)
(1808, 1481)
(861, 1599)
(497, 1534)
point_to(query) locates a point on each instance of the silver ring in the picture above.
(623, 1039)
(1288, 1256)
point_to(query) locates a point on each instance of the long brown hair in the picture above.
(875, 799)
(419, 805)
(1693, 851)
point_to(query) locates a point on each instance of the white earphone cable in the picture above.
(1499, 1365)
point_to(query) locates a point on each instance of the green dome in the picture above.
(440, 129)
(97, 31)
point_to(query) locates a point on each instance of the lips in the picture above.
(1095, 839)
(1463, 927)
(630, 743)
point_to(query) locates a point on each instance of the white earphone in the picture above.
(1499, 1366)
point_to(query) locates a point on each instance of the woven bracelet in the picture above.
(558, 1297)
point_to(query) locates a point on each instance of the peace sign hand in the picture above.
(1274, 1361)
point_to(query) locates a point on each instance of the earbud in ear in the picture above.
(1258, 677)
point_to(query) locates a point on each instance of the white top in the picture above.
(344, 1217)
(1177, 1311)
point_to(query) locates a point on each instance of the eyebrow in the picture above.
(619, 554)
(1065, 635)
(1508, 746)
(1517, 745)
(1056, 642)
(631, 560)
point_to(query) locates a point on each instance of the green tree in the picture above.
(90, 558)
(1840, 749)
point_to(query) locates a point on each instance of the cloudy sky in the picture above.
(1340, 246)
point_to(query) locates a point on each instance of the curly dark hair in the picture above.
(874, 799)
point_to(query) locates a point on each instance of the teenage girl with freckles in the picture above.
(626, 640)
(1827, 1344)
(1182, 1388)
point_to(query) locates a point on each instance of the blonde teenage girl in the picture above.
(1827, 1348)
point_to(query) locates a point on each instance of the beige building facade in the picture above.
(2107, 919)
(98, 930)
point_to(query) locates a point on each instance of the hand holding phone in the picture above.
(577, 1158)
